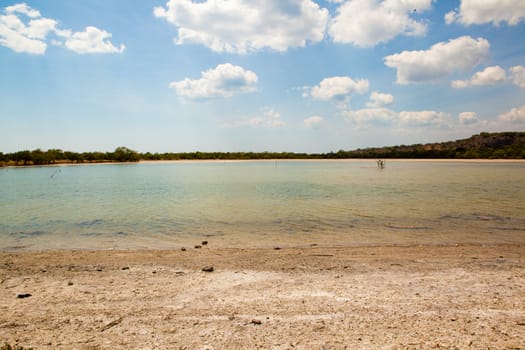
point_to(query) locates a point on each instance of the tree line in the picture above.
(507, 145)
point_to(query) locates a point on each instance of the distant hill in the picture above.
(501, 145)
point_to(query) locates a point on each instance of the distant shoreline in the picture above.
(216, 161)
(485, 146)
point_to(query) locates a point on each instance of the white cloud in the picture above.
(488, 76)
(366, 23)
(225, 80)
(488, 11)
(440, 60)
(378, 99)
(422, 118)
(241, 26)
(92, 40)
(23, 29)
(517, 74)
(371, 116)
(382, 116)
(313, 122)
(22, 9)
(468, 118)
(268, 119)
(514, 116)
(14, 37)
(338, 88)
(22, 37)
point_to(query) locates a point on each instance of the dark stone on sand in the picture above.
(521, 322)
(183, 249)
(198, 246)
(125, 268)
(256, 321)
(69, 283)
(24, 295)
(277, 248)
(204, 242)
(208, 269)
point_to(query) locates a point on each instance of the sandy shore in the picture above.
(294, 298)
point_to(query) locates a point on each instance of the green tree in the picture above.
(124, 154)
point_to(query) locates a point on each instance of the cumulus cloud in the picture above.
(313, 121)
(382, 116)
(514, 116)
(441, 60)
(517, 73)
(366, 23)
(488, 76)
(22, 9)
(487, 11)
(268, 119)
(338, 88)
(24, 30)
(225, 80)
(468, 118)
(378, 99)
(371, 116)
(422, 118)
(241, 26)
(92, 40)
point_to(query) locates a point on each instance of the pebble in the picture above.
(207, 269)
(204, 242)
(24, 295)
(183, 249)
(125, 268)
(256, 321)
(197, 246)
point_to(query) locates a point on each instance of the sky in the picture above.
(257, 75)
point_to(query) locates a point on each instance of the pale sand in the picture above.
(294, 298)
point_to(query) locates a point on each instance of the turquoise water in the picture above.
(169, 205)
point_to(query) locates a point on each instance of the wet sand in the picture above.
(384, 297)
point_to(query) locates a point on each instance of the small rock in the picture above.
(521, 323)
(125, 268)
(256, 321)
(24, 295)
(207, 269)
(69, 283)
(277, 248)
(204, 242)
(197, 246)
(153, 271)
(183, 249)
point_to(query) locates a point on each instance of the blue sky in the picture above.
(257, 75)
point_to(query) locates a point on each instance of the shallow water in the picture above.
(350, 202)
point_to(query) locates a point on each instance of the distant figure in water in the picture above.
(380, 164)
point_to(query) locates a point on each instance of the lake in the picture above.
(164, 205)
